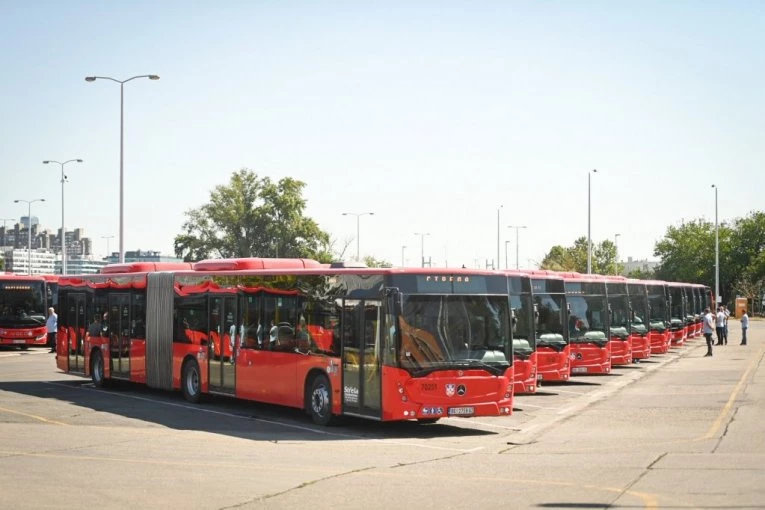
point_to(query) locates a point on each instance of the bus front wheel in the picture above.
(320, 403)
(190, 382)
(97, 369)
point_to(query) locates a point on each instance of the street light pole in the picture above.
(63, 228)
(422, 245)
(589, 211)
(498, 209)
(358, 215)
(517, 228)
(616, 249)
(29, 228)
(717, 253)
(506, 243)
(122, 167)
(403, 263)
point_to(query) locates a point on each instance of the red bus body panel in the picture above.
(641, 346)
(660, 341)
(590, 359)
(525, 374)
(621, 351)
(553, 365)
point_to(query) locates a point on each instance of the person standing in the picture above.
(52, 325)
(725, 325)
(720, 325)
(709, 328)
(744, 327)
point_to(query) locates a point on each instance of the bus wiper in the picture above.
(478, 363)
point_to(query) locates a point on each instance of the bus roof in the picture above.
(145, 267)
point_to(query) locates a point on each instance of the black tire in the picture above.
(97, 369)
(23, 347)
(320, 401)
(191, 382)
(427, 421)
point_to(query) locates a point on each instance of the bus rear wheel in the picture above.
(427, 421)
(320, 404)
(190, 382)
(97, 369)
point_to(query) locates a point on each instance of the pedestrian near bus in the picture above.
(52, 325)
(720, 325)
(709, 328)
(744, 327)
(725, 325)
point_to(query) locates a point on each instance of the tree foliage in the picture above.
(687, 254)
(574, 258)
(253, 217)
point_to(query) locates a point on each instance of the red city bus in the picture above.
(24, 303)
(379, 343)
(640, 340)
(551, 335)
(620, 319)
(697, 312)
(658, 325)
(524, 343)
(588, 324)
(678, 322)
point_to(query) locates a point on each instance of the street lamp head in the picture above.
(714, 186)
(78, 160)
(46, 162)
(90, 78)
(153, 77)
(16, 201)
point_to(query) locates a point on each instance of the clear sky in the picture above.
(429, 114)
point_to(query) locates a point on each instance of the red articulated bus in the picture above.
(524, 342)
(678, 322)
(550, 332)
(588, 323)
(379, 343)
(24, 303)
(658, 325)
(640, 339)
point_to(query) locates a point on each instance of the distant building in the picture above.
(79, 265)
(18, 261)
(642, 265)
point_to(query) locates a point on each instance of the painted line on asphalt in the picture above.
(718, 423)
(33, 416)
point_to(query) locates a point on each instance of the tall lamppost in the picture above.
(122, 166)
(108, 253)
(403, 261)
(517, 228)
(717, 253)
(358, 215)
(498, 209)
(29, 228)
(422, 245)
(506, 266)
(63, 228)
(5, 233)
(589, 211)
(616, 249)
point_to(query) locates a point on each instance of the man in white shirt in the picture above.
(709, 327)
(720, 325)
(744, 327)
(52, 326)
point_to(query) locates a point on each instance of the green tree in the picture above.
(574, 258)
(253, 217)
(370, 261)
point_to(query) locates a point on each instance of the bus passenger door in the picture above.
(222, 366)
(362, 358)
(119, 335)
(75, 321)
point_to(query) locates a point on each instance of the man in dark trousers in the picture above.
(52, 325)
(709, 328)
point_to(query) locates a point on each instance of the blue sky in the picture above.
(429, 114)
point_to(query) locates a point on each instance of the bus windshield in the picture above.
(22, 304)
(549, 327)
(620, 308)
(588, 319)
(523, 337)
(454, 331)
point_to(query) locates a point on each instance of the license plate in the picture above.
(540, 377)
(579, 370)
(19, 341)
(461, 411)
